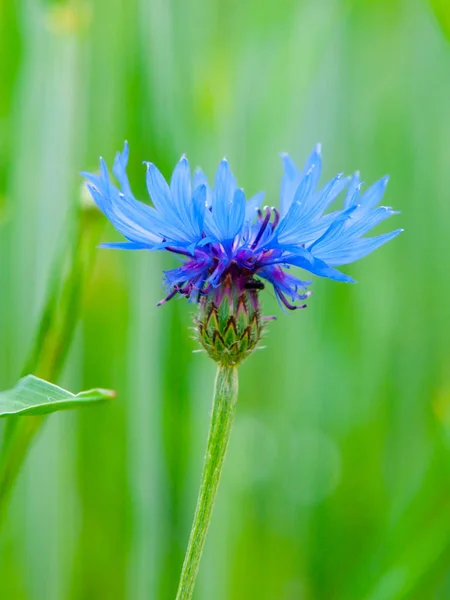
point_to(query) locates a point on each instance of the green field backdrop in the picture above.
(337, 481)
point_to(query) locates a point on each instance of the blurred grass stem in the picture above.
(53, 339)
(225, 396)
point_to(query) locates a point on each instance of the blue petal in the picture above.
(211, 228)
(289, 183)
(344, 235)
(308, 262)
(360, 248)
(289, 228)
(314, 161)
(180, 188)
(237, 213)
(292, 178)
(159, 192)
(201, 179)
(133, 219)
(326, 196)
(353, 191)
(125, 246)
(334, 231)
(227, 207)
(198, 208)
(137, 221)
(120, 170)
(309, 219)
(369, 220)
(224, 188)
(95, 183)
(174, 215)
(373, 195)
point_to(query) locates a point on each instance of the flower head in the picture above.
(230, 246)
(220, 236)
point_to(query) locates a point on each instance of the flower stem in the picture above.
(225, 396)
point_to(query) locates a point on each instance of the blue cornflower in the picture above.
(220, 236)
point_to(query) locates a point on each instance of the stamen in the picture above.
(206, 290)
(285, 301)
(177, 289)
(263, 226)
(186, 290)
(304, 296)
(277, 217)
(168, 297)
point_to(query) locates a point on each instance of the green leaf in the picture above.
(34, 396)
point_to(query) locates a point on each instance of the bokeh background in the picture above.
(337, 481)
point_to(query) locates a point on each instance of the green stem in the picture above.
(18, 437)
(53, 339)
(225, 396)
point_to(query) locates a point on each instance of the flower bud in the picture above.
(229, 323)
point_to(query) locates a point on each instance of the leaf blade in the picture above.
(34, 396)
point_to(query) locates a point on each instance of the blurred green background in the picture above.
(337, 481)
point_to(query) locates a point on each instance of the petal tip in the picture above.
(103, 168)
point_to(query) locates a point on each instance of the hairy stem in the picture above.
(225, 396)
